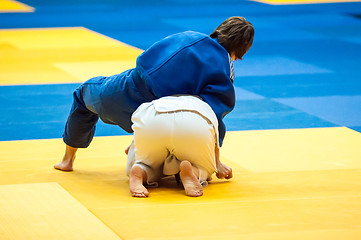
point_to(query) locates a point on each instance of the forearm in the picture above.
(223, 171)
(218, 162)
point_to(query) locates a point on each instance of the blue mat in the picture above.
(303, 70)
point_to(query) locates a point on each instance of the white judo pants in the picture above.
(162, 140)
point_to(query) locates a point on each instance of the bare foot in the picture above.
(136, 177)
(65, 165)
(191, 184)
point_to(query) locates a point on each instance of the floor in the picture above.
(293, 140)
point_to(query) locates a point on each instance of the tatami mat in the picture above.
(287, 184)
(46, 211)
(12, 6)
(60, 55)
(296, 160)
(289, 2)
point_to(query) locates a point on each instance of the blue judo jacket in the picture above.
(184, 63)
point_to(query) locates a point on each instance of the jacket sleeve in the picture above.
(220, 96)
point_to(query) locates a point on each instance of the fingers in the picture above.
(221, 175)
(223, 171)
(229, 174)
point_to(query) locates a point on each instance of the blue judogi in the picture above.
(184, 63)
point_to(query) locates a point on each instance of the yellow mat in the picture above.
(46, 211)
(288, 184)
(14, 6)
(60, 55)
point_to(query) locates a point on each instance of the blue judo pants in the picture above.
(80, 126)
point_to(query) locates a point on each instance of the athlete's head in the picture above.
(235, 35)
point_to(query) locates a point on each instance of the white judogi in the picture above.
(169, 130)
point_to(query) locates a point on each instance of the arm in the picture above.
(220, 96)
(223, 171)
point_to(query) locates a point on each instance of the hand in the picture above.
(223, 171)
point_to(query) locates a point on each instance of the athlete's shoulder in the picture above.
(188, 34)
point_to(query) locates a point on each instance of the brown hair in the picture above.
(235, 34)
